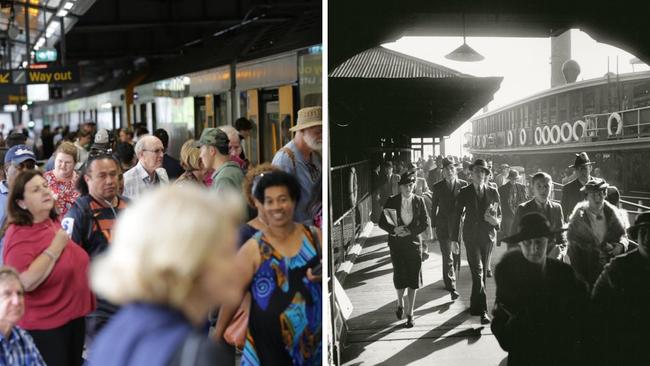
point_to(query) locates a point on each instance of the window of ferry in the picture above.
(574, 104)
(552, 108)
(641, 94)
(544, 111)
(563, 107)
(589, 101)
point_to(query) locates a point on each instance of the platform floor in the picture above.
(444, 332)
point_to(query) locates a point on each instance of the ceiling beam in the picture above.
(100, 28)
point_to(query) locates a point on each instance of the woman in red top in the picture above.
(63, 178)
(53, 270)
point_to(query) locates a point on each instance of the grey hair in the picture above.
(140, 145)
(231, 132)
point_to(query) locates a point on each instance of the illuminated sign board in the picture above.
(46, 54)
(39, 76)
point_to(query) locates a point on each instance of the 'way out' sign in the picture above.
(52, 76)
(39, 76)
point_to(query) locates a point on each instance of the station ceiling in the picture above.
(362, 24)
(115, 39)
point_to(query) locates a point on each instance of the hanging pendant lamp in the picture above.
(464, 53)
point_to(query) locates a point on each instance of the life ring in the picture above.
(510, 138)
(566, 127)
(577, 123)
(555, 134)
(619, 124)
(538, 135)
(522, 137)
(354, 187)
(546, 135)
(484, 141)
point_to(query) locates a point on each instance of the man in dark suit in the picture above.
(481, 205)
(541, 187)
(512, 194)
(571, 193)
(442, 220)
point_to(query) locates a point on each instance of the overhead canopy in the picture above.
(362, 24)
(382, 93)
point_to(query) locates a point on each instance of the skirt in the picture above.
(406, 256)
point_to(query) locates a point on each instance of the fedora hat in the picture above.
(532, 225)
(308, 117)
(643, 220)
(480, 163)
(446, 162)
(582, 159)
(594, 186)
(513, 174)
(408, 177)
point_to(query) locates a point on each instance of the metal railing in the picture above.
(351, 204)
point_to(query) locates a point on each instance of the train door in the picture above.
(269, 124)
(276, 118)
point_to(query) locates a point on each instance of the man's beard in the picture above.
(312, 143)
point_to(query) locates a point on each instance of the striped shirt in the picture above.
(19, 350)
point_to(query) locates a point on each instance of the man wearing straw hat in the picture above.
(301, 157)
(539, 310)
(621, 298)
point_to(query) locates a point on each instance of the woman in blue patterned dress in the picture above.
(280, 267)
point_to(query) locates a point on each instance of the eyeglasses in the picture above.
(157, 151)
(26, 165)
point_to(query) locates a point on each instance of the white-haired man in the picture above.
(149, 171)
(234, 145)
(301, 157)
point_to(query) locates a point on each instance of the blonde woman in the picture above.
(191, 162)
(170, 263)
(62, 179)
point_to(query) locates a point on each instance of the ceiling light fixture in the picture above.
(464, 53)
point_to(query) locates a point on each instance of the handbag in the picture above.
(235, 333)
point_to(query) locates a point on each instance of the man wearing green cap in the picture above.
(215, 154)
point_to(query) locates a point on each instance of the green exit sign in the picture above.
(46, 55)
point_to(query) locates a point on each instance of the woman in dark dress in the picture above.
(404, 217)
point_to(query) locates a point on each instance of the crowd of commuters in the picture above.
(572, 287)
(166, 242)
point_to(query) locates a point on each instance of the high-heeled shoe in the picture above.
(409, 321)
(399, 312)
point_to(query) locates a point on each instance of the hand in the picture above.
(405, 232)
(399, 230)
(491, 219)
(312, 277)
(60, 241)
(614, 249)
(455, 247)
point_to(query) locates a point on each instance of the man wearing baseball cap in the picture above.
(17, 159)
(301, 157)
(214, 144)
